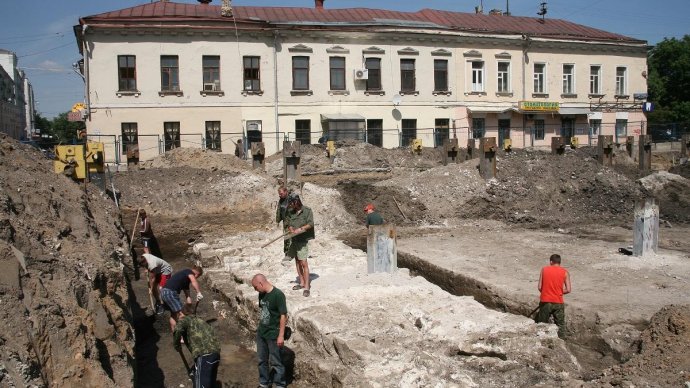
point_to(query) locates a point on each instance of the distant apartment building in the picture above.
(16, 110)
(163, 75)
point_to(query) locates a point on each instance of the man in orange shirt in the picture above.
(554, 282)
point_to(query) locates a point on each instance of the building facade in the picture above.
(16, 109)
(165, 75)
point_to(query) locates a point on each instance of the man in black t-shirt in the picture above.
(180, 281)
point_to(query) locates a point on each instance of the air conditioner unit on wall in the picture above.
(209, 87)
(361, 74)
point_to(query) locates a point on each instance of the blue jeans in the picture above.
(206, 370)
(269, 360)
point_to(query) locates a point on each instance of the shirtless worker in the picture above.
(554, 282)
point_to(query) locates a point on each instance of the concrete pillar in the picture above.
(605, 150)
(487, 157)
(450, 151)
(646, 229)
(629, 145)
(258, 155)
(471, 149)
(645, 157)
(557, 145)
(382, 254)
(685, 146)
(291, 161)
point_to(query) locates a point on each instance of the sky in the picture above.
(40, 31)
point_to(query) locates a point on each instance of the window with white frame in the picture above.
(595, 127)
(251, 73)
(621, 81)
(503, 77)
(213, 141)
(539, 78)
(211, 70)
(477, 76)
(568, 79)
(595, 79)
(170, 73)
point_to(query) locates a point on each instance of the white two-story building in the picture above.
(163, 75)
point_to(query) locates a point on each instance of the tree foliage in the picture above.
(65, 130)
(669, 80)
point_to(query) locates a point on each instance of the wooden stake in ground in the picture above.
(398, 206)
(134, 228)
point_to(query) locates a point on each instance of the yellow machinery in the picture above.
(507, 144)
(79, 160)
(574, 142)
(330, 148)
(417, 145)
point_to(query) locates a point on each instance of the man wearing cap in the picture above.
(300, 220)
(373, 218)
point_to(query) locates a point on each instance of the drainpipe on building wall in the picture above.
(275, 87)
(86, 71)
(526, 43)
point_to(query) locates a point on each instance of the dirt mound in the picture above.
(64, 297)
(663, 359)
(681, 169)
(197, 158)
(672, 193)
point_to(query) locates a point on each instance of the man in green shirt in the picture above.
(300, 220)
(270, 334)
(202, 342)
(373, 218)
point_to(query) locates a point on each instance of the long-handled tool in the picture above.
(284, 236)
(186, 364)
(153, 305)
(134, 228)
(534, 311)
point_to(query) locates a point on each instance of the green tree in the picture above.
(65, 130)
(669, 80)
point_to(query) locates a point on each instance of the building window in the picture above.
(337, 66)
(539, 129)
(374, 67)
(594, 127)
(213, 141)
(477, 76)
(127, 72)
(621, 129)
(407, 75)
(441, 75)
(300, 73)
(478, 128)
(251, 74)
(211, 69)
(441, 131)
(539, 77)
(595, 79)
(620, 81)
(375, 131)
(303, 131)
(503, 77)
(569, 79)
(130, 136)
(170, 73)
(409, 131)
(171, 131)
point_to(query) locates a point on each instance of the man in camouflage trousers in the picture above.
(202, 342)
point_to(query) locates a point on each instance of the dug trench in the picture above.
(158, 364)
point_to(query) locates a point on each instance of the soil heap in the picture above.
(63, 296)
